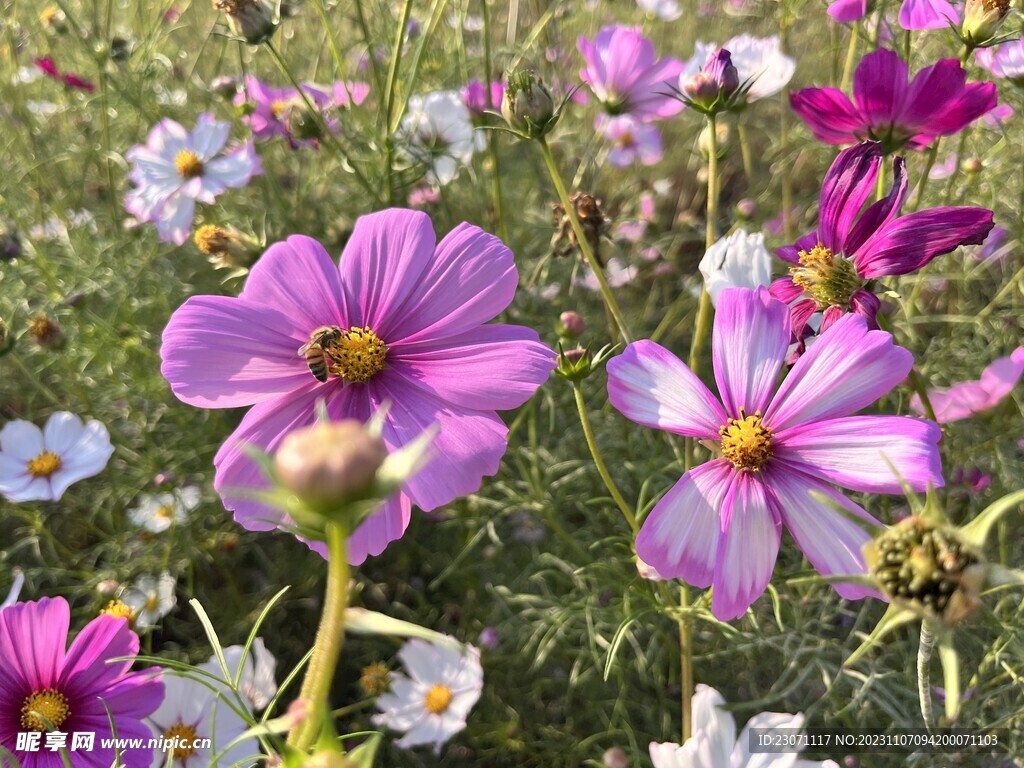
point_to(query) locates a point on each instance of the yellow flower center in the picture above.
(119, 610)
(44, 465)
(211, 239)
(152, 603)
(746, 442)
(278, 108)
(438, 699)
(188, 164)
(187, 734)
(165, 512)
(827, 278)
(43, 709)
(49, 15)
(358, 354)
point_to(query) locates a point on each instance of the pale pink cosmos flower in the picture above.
(968, 398)
(632, 141)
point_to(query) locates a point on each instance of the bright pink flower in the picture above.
(49, 68)
(72, 687)
(833, 266)
(889, 108)
(914, 14)
(474, 96)
(963, 400)
(721, 524)
(625, 74)
(416, 309)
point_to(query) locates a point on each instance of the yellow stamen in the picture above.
(43, 709)
(188, 164)
(187, 734)
(358, 354)
(438, 699)
(826, 277)
(119, 610)
(746, 442)
(165, 512)
(44, 465)
(278, 108)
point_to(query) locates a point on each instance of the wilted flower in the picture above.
(737, 261)
(938, 102)
(159, 512)
(252, 20)
(527, 105)
(763, 70)
(432, 703)
(175, 168)
(777, 456)
(40, 464)
(963, 400)
(631, 140)
(46, 332)
(438, 133)
(150, 599)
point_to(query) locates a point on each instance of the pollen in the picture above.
(358, 354)
(211, 239)
(185, 735)
(826, 277)
(43, 709)
(44, 465)
(746, 442)
(438, 699)
(375, 679)
(188, 164)
(119, 610)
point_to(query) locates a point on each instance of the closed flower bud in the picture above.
(527, 105)
(46, 332)
(972, 165)
(571, 325)
(330, 464)
(615, 758)
(252, 20)
(711, 89)
(982, 19)
(746, 208)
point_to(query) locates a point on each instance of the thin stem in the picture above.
(748, 162)
(918, 384)
(339, 62)
(330, 636)
(924, 657)
(686, 662)
(584, 244)
(602, 468)
(929, 162)
(368, 39)
(851, 57)
(492, 139)
(389, 110)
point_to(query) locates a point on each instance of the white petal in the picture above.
(21, 439)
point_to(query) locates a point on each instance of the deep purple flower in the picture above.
(474, 96)
(717, 81)
(914, 14)
(411, 322)
(779, 455)
(967, 398)
(625, 74)
(833, 265)
(890, 109)
(72, 687)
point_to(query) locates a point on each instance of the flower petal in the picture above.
(33, 638)
(829, 114)
(849, 183)
(927, 14)
(62, 431)
(385, 525)
(879, 213)
(22, 440)
(710, 716)
(653, 387)
(880, 87)
(87, 457)
(88, 667)
(849, 368)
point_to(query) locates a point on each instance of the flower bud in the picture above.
(571, 325)
(251, 20)
(746, 208)
(226, 246)
(330, 463)
(615, 757)
(46, 332)
(972, 165)
(711, 88)
(982, 19)
(527, 105)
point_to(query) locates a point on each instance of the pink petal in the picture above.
(927, 14)
(651, 386)
(86, 668)
(33, 639)
(849, 183)
(880, 87)
(845, 11)
(829, 114)
(385, 525)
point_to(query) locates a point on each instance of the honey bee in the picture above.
(316, 358)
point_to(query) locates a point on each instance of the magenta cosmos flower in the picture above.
(175, 168)
(721, 524)
(914, 14)
(833, 266)
(626, 75)
(887, 107)
(73, 688)
(409, 320)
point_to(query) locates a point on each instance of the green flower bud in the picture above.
(527, 105)
(982, 19)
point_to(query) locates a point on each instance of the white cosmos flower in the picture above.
(257, 683)
(191, 711)
(150, 598)
(439, 133)
(758, 61)
(737, 261)
(666, 10)
(714, 743)
(432, 703)
(12, 596)
(156, 513)
(40, 464)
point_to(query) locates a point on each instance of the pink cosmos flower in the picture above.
(1005, 61)
(963, 400)
(721, 524)
(272, 106)
(474, 96)
(72, 688)
(914, 14)
(411, 322)
(833, 265)
(175, 168)
(625, 74)
(889, 108)
(631, 140)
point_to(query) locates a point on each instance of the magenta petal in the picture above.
(866, 305)
(911, 241)
(751, 335)
(785, 290)
(800, 314)
(829, 114)
(829, 540)
(791, 253)
(471, 278)
(220, 352)
(830, 317)
(865, 453)
(385, 525)
(747, 548)
(975, 100)
(494, 367)
(879, 213)
(932, 90)
(86, 668)
(848, 368)
(653, 387)
(970, 397)
(849, 183)
(300, 279)
(680, 535)
(927, 14)
(880, 87)
(32, 655)
(845, 11)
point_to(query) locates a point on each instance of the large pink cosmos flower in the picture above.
(411, 322)
(833, 265)
(721, 524)
(963, 400)
(890, 109)
(72, 687)
(625, 74)
(914, 14)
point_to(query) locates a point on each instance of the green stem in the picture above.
(918, 384)
(389, 109)
(316, 686)
(748, 162)
(929, 162)
(686, 661)
(492, 140)
(339, 62)
(924, 657)
(584, 244)
(368, 39)
(602, 468)
(851, 58)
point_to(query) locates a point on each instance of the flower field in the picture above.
(473, 383)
